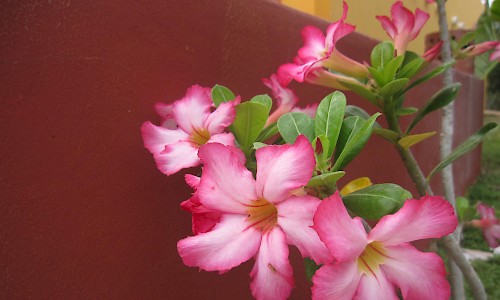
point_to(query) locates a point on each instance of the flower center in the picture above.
(199, 136)
(262, 215)
(372, 257)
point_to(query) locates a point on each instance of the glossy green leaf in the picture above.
(352, 110)
(263, 99)
(311, 267)
(329, 117)
(377, 75)
(354, 134)
(375, 201)
(361, 90)
(440, 99)
(405, 111)
(293, 124)
(248, 123)
(221, 94)
(431, 74)
(268, 132)
(387, 134)
(326, 179)
(394, 87)
(468, 145)
(411, 140)
(382, 54)
(390, 70)
(412, 68)
(258, 145)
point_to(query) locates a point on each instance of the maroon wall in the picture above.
(85, 213)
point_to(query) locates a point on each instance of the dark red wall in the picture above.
(84, 212)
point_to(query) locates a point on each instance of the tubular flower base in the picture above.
(375, 265)
(404, 26)
(186, 125)
(258, 217)
(474, 50)
(489, 224)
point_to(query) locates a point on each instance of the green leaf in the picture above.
(248, 123)
(464, 211)
(466, 39)
(382, 54)
(412, 68)
(352, 110)
(487, 30)
(329, 117)
(440, 99)
(221, 94)
(258, 145)
(389, 71)
(353, 136)
(393, 87)
(293, 124)
(377, 75)
(361, 90)
(468, 145)
(387, 134)
(411, 140)
(263, 99)
(268, 132)
(375, 201)
(326, 179)
(311, 267)
(404, 111)
(495, 8)
(431, 74)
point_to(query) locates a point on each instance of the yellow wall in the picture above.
(362, 14)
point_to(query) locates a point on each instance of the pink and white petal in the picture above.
(192, 111)
(225, 138)
(486, 212)
(314, 43)
(294, 71)
(418, 275)
(167, 117)
(429, 217)
(336, 281)
(204, 222)
(230, 243)
(176, 157)
(343, 236)
(295, 217)
(342, 30)
(221, 118)
(283, 168)
(192, 180)
(388, 26)
(226, 185)
(492, 235)
(155, 138)
(421, 18)
(402, 18)
(376, 287)
(272, 274)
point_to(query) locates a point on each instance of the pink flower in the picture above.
(404, 26)
(258, 217)
(433, 52)
(489, 224)
(187, 124)
(309, 110)
(319, 54)
(474, 50)
(495, 55)
(285, 97)
(374, 265)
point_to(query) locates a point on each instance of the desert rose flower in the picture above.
(489, 224)
(259, 217)
(285, 97)
(433, 52)
(375, 265)
(319, 55)
(474, 50)
(187, 124)
(404, 26)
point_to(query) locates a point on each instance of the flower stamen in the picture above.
(262, 215)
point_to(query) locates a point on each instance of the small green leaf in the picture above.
(375, 201)
(361, 90)
(466, 39)
(382, 54)
(329, 117)
(248, 123)
(412, 68)
(353, 136)
(377, 75)
(263, 99)
(411, 140)
(268, 132)
(464, 211)
(293, 124)
(387, 134)
(258, 145)
(352, 110)
(404, 111)
(431, 74)
(221, 94)
(311, 267)
(394, 87)
(326, 179)
(468, 145)
(389, 71)
(442, 98)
